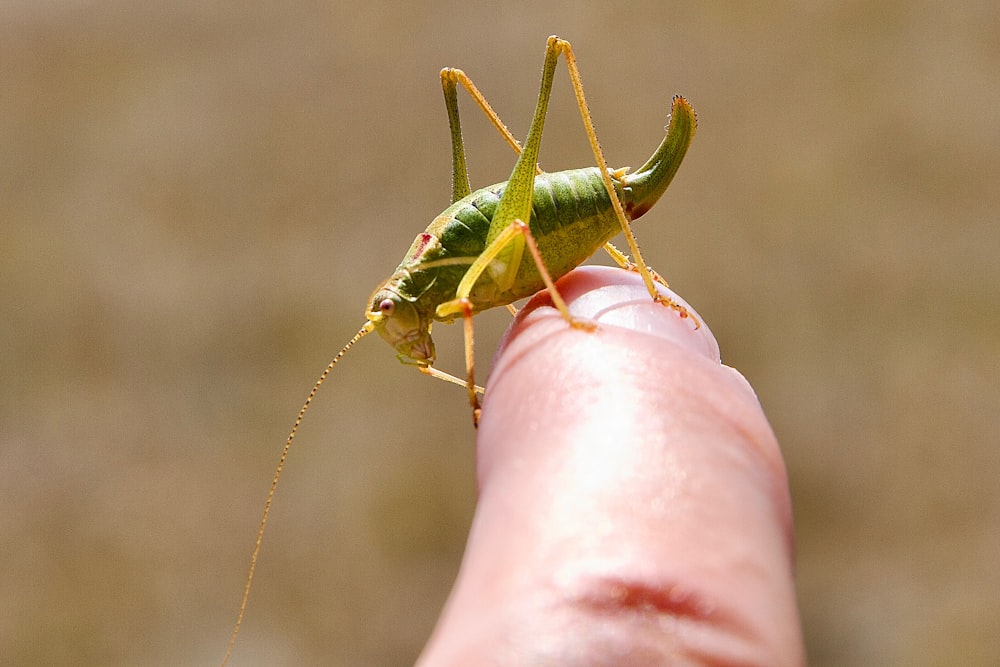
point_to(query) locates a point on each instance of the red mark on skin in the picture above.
(619, 595)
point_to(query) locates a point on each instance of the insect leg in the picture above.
(450, 78)
(470, 361)
(447, 377)
(513, 231)
(516, 201)
(623, 261)
(508, 235)
(463, 305)
(505, 244)
(459, 172)
(588, 124)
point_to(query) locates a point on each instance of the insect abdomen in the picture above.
(571, 218)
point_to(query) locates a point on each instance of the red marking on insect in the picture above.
(425, 238)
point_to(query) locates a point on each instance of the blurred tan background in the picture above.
(196, 200)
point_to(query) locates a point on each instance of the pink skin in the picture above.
(634, 507)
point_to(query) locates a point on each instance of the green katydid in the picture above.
(471, 257)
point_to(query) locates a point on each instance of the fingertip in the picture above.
(628, 454)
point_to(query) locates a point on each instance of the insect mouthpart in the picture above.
(421, 349)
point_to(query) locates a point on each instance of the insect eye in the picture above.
(386, 306)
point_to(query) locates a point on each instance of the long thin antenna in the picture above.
(365, 330)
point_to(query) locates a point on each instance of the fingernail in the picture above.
(629, 306)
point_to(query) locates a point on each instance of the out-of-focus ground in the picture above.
(196, 199)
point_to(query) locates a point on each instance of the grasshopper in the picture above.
(472, 256)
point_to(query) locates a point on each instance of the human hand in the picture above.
(633, 508)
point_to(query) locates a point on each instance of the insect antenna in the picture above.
(365, 330)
